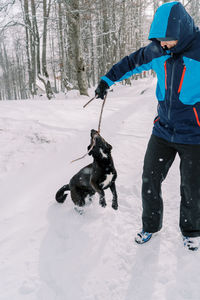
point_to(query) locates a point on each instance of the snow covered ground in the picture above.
(47, 250)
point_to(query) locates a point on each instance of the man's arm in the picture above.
(135, 63)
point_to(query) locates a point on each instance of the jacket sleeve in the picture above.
(135, 63)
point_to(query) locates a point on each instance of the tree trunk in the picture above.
(36, 37)
(29, 47)
(76, 44)
(45, 78)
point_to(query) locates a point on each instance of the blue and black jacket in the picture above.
(178, 73)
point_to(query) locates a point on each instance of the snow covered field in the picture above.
(47, 250)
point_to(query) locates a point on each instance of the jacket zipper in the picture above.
(170, 91)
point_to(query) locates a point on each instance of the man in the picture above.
(174, 54)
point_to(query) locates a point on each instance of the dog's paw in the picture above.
(102, 203)
(115, 205)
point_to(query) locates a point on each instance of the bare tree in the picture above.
(70, 43)
(45, 75)
(76, 46)
(30, 47)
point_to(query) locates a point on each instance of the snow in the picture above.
(47, 250)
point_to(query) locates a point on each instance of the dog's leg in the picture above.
(114, 192)
(90, 196)
(77, 197)
(102, 200)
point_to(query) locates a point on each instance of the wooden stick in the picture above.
(93, 143)
(89, 101)
(100, 118)
(99, 127)
(80, 157)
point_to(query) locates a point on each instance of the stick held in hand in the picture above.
(89, 101)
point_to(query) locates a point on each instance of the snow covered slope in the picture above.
(47, 250)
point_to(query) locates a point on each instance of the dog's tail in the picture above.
(61, 195)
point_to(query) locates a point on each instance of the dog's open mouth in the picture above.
(94, 133)
(97, 142)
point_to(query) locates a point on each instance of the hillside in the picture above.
(47, 250)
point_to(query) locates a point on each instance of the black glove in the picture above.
(101, 89)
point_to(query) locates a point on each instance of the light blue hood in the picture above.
(172, 21)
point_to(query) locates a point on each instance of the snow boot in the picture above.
(191, 243)
(143, 237)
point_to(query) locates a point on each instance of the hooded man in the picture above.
(174, 54)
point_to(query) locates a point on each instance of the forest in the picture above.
(53, 46)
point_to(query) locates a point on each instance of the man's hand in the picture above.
(101, 89)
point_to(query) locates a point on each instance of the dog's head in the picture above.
(99, 147)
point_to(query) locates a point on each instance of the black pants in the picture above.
(159, 157)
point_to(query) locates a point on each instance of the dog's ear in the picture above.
(109, 147)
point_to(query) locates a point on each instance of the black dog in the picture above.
(96, 177)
